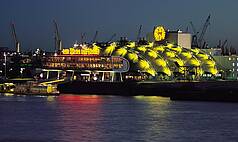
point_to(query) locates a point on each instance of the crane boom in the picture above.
(83, 37)
(193, 28)
(14, 32)
(95, 37)
(224, 43)
(58, 42)
(204, 29)
(194, 37)
(17, 43)
(56, 30)
(113, 36)
(139, 33)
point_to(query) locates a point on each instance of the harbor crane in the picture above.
(139, 33)
(224, 44)
(204, 29)
(14, 35)
(95, 37)
(111, 38)
(198, 37)
(83, 37)
(58, 41)
(195, 35)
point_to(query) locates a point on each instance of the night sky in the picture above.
(33, 19)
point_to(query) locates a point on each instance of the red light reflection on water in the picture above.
(80, 117)
(69, 99)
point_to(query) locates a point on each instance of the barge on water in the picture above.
(29, 88)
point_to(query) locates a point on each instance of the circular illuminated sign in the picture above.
(159, 33)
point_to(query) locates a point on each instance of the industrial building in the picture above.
(180, 38)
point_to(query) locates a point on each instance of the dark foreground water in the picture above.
(111, 118)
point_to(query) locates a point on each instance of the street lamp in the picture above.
(5, 61)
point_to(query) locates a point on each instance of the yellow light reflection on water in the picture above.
(152, 99)
(8, 94)
(50, 98)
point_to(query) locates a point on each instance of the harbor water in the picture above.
(82, 118)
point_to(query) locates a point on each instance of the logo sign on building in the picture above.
(159, 33)
(83, 51)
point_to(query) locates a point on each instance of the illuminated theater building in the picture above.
(129, 60)
(86, 64)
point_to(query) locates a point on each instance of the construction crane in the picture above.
(83, 35)
(17, 43)
(194, 37)
(95, 37)
(111, 38)
(139, 33)
(58, 41)
(204, 29)
(224, 43)
(223, 47)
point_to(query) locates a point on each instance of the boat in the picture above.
(29, 88)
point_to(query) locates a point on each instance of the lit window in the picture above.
(233, 64)
(236, 69)
(229, 59)
(233, 69)
(237, 64)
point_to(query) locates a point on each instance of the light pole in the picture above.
(5, 61)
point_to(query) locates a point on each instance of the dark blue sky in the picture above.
(33, 19)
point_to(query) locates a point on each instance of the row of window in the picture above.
(232, 59)
(84, 66)
(233, 64)
(83, 59)
(233, 70)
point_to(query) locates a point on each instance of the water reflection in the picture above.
(157, 114)
(79, 117)
(115, 118)
(101, 118)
